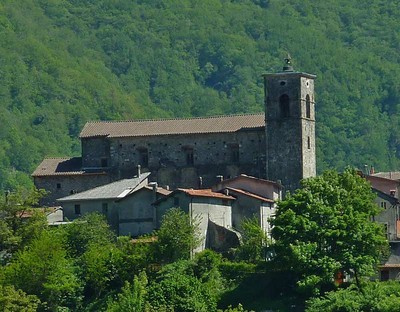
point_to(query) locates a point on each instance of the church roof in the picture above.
(135, 128)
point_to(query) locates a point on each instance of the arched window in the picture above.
(284, 105)
(308, 107)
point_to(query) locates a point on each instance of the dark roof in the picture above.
(391, 199)
(249, 194)
(59, 166)
(114, 190)
(134, 128)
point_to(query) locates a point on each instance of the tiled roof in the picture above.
(204, 193)
(59, 166)
(392, 175)
(160, 190)
(115, 190)
(249, 194)
(216, 124)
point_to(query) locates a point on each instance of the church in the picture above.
(278, 145)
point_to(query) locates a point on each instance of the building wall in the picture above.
(201, 209)
(167, 157)
(389, 217)
(91, 206)
(60, 186)
(136, 214)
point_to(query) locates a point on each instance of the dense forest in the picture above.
(64, 62)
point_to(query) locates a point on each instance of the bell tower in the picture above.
(290, 126)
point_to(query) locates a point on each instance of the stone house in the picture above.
(191, 152)
(204, 206)
(116, 202)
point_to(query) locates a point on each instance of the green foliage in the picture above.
(326, 227)
(376, 296)
(43, 269)
(254, 241)
(66, 62)
(132, 297)
(176, 287)
(177, 237)
(16, 300)
(86, 231)
(20, 222)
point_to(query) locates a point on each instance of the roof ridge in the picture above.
(176, 118)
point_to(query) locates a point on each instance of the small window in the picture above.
(77, 209)
(176, 201)
(104, 208)
(234, 153)
(308, 142)
(383, 204)
(104, 162)
(308, 107)
(144, 157)
(189, 156)
(284, 105)
(384, 275)
(58, 185)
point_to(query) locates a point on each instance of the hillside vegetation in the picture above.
(65, 62)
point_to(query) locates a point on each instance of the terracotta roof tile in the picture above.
(216, 124)
(205, 193)
(249, 194)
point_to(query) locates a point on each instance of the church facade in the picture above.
(197, 152)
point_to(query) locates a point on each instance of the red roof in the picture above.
(249, 194)
(205, 193)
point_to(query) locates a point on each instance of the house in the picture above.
(254, 198)
(116, 202)
(204, 206)
(191, 152)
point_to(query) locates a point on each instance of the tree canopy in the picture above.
(326, 227)
(65, 62)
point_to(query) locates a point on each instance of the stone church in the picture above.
(195, 152)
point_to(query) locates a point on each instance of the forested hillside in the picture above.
(65, 62)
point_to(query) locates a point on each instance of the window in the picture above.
(383, 204)
(104, 208)
(58, 185)
(176, 201)
(384, 275)
(104, 162)
(77, 209)
(308, 143)
(143, 157)
(189, 156)
(308, 107)
(284, 105)
(234, 153)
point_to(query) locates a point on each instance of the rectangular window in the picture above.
(77, 209)
(104, 208)
(234, 153)
(189, 156)
(308, 143)
(58, 185)
(383, 205)
(104, 162)
(384, 275)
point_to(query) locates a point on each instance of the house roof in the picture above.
(247, 177)
(153, 127)
(391, 175)
(249, 194)
(115, 190)
(393, 200)
(59, 166)
(197, 193)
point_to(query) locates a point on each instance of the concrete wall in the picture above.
(67, 185)
(201, 209)
(136, 214)
(388, 217)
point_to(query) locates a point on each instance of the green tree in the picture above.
(326, 227)
(254, 241)
(177, 236)
(16, 300)
(43, 269)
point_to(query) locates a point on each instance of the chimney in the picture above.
(372, 170)
(138, 170)
(220, 178)
(200, 182)
(154, 186)
(393, 193)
